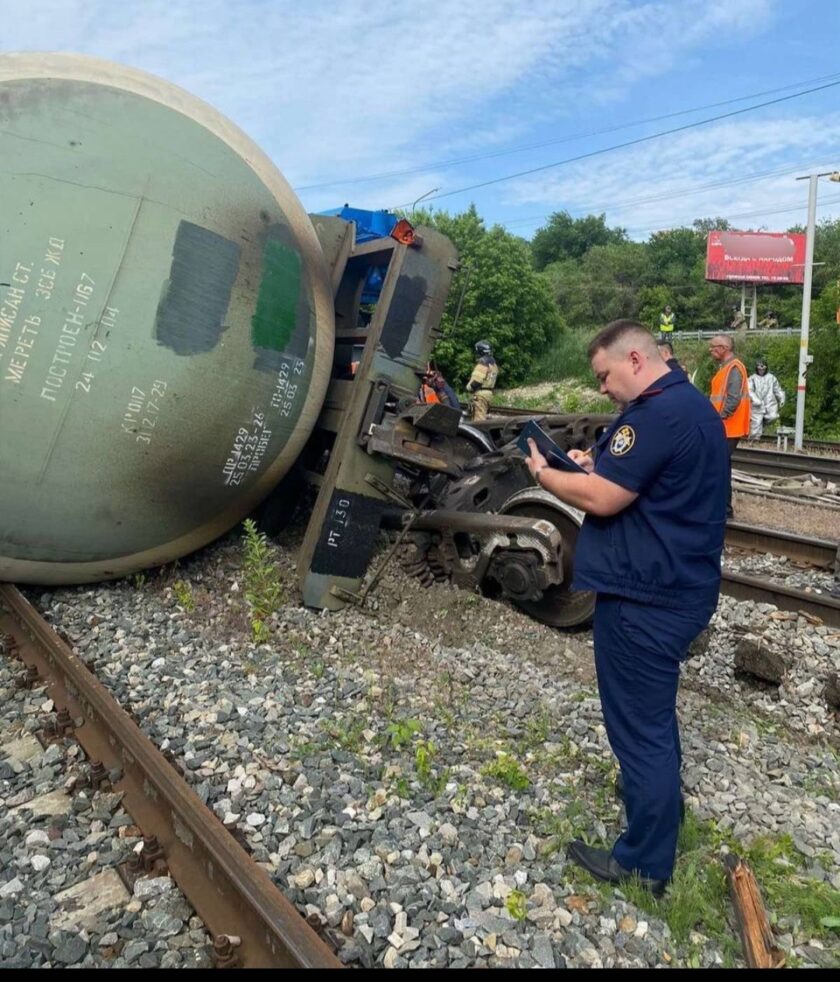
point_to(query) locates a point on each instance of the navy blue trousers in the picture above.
(638, 650)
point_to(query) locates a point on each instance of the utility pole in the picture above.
(805, 359)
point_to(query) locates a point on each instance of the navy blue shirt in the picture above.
(668, 446)
(451, 398)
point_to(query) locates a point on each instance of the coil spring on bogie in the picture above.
(424, 565)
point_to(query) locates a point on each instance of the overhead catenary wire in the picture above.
(524, 148)
(664, 195)
(628, 143)
(674, 223)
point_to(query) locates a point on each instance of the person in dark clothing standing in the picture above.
(666, 352)
(445, 392)
(650, 546)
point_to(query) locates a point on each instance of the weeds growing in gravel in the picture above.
(263, 591)
(184, 596)
(698, 896)
(401, 732)
(516, 904)
(424, 755)
(348, 735)
(560, 828)
(507, 770)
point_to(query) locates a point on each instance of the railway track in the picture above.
(822, 553)
(754, 460)
(231, 893)
(776, 463)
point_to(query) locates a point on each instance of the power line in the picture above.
(346, 182)
(665, 195)
(744, 214)
(629, 143)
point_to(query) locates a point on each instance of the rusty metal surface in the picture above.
(231, 893)
(817, 552)
(776, 463)
(760, 591)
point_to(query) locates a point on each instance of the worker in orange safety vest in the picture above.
(730, 396)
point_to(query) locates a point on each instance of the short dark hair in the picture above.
(617, 331)
(662, 343)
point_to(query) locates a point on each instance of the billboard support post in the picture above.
(804, 358)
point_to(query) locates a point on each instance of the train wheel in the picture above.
(559, 606)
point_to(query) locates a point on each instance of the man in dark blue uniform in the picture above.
(650, 545)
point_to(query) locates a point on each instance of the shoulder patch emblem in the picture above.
(622, 441)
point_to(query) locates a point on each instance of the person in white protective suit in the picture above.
(766, 399)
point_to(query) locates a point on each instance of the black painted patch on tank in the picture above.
(195, 300)
(348, 535)
(405, 306)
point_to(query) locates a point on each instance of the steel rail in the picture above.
(817, 552)
(740, 587)
(232, 894)
(827, 445)
(776, 463)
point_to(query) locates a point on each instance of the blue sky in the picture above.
(376, 104)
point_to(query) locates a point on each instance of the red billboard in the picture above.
(755, 257)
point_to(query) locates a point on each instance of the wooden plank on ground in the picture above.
(760, 948)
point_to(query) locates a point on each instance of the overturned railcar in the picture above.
(180, 341)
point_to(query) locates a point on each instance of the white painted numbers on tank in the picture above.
(96, 349)
(286, 390)
(142, 411)
(248, 450)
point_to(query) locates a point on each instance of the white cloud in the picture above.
(678, 170)
(353, 89)
(350, 89)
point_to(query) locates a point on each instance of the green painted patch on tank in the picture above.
(275, 317)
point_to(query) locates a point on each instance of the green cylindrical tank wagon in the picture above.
(166, 321)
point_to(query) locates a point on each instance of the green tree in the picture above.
(564, 237)
(501, 298)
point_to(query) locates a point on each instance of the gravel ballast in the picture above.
(409, 773)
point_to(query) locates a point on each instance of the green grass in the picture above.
(347, 735)
(516, 905)
(565, 358)
(698, 896)
(184, 596)
(401, 732)
(563, 397)
(559, 828)
(506, 770)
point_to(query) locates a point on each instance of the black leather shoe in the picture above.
(600, 863)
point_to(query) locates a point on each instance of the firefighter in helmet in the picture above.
(482, 381)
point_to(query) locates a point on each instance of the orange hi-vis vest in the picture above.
(738, 424)
(428, 394)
